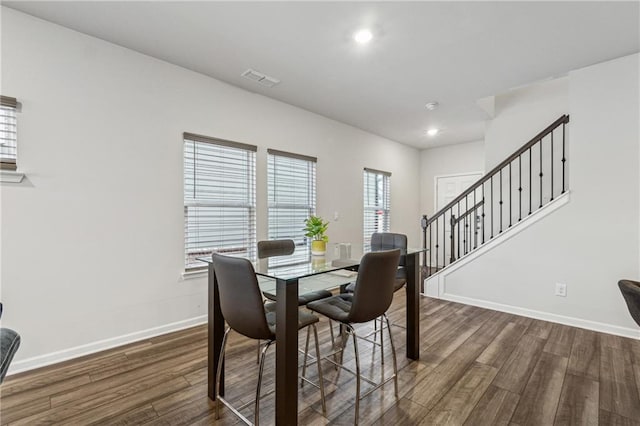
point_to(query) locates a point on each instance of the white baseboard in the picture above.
(546, 316)
(101, 345)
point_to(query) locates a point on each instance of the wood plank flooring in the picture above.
(477, 367)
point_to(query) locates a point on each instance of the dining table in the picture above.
(304, 273)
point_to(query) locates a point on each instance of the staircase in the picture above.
(530, 178)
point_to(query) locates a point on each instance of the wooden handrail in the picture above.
(563, 119)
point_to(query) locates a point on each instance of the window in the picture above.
(377, 204)
(8, 133)
(219, 198)
(292, 199)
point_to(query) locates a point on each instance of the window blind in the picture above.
(8, 133)
(291, 200)
(219, 198)
(377, 204)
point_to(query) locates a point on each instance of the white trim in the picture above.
(101, 345)
(192, 275)
(10, 176)
(547, 316)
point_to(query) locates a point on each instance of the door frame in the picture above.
(435, 184)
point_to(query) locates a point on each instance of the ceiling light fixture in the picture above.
(432, 105)
(363, 36)
(433, 132)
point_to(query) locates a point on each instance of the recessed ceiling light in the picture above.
(433, 132)
(363, 36)
(432, 105)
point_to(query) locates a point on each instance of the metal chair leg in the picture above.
(355, 349)
(320, 377)
(395, 361)
(381, 340)
(306, 352)
(219, 368)
(256, 409)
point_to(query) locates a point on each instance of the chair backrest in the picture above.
(270, 248)
(631, 293)
(390, 241)
(374, 286)
(240, 297)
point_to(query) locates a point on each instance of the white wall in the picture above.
(590, 243)
(447, 160)
(521, 114)
(92, 240)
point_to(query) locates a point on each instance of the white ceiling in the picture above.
(451, 52)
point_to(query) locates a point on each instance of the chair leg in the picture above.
(320, 378)
(304, 364)
(395, 361)
(355, 349)
(258, 353)
(381, 340)
(219, 368)
(256, 410)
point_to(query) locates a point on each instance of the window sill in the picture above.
(11, 176)
(191, 275)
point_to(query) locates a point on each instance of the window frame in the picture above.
(302, 252)
(10, 162)
(234, 148)
(383, 185)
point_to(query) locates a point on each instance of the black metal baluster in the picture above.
(483, 203)
(551, 166)
(437, 245)
(530, 182)
(475, 219)
(540, 142)
(444, 241)
(510, 197)
(519, 187)
(466, 223)
(563, 158)
(457, 223)
(431, 248)
(491, 207)
(500, 202)
(453, 230)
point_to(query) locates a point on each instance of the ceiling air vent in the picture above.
(258, 77)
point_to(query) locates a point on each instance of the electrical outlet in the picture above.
(561, 290)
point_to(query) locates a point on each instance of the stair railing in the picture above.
(531, 177)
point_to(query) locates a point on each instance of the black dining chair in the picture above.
(274, 248)
(631, 293)
(244, 312)
(371, 298)
(386, 241)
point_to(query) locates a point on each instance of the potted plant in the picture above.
(315, 229)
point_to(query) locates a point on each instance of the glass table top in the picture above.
(338, 257)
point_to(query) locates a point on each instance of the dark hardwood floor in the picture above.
(477, 367)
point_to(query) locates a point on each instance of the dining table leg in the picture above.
(215, 333)
(286, 352)
(413, 306)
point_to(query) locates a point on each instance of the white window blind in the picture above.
(377, 204)
(292, 199)
(219, 198)
(8, 133)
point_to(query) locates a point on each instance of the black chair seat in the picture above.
(336, 308)
(304, 318)
(631, 293)
(303, 299)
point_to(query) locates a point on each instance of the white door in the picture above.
(446, 190)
